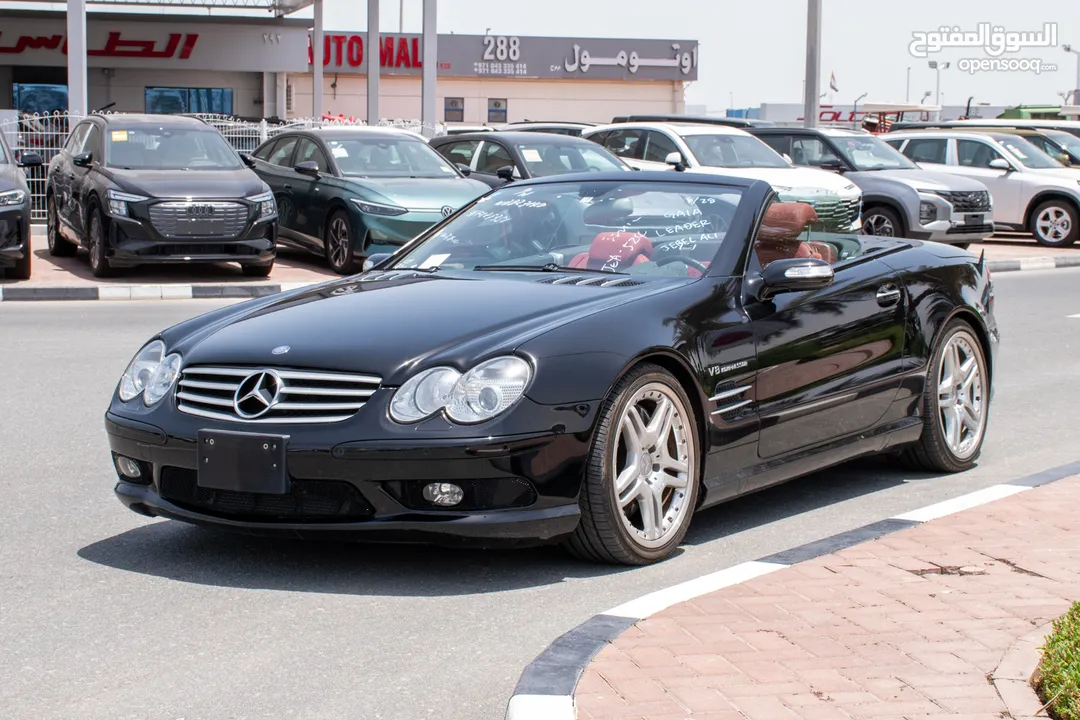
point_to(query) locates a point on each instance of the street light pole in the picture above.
(937, 68)
(855, 110)
(813, 64)
(1076, 90)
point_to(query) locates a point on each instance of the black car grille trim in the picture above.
(970, 229)
(307, 500)
(968, 201)
(303, 396)
(228, 219)
(597, 281)
(196, 249)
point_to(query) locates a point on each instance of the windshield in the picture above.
(1066, 140)
(545, 159)
(385, 157)
(871, 153)
(733, 151)
(153, 147)
(603, 226)
(1028, 155)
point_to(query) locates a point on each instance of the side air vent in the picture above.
(595, 280)
(389, 275)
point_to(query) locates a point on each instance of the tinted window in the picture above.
(309, 152)
(867, 152)
(557, 158)
(493, 157)
(166, 147)
(76, 140)
(1027, 153)
(973, 153)
(263, 153)
(659, 147)
(779, 143)
(732, 151)
(626, 143)
(93, 143)
(383, 156)
(283, 152)
(459, 152)
(599, 138)
(927, 150)
(811, 151)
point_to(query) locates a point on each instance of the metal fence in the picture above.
(46, 134)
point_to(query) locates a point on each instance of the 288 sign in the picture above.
(502, 48)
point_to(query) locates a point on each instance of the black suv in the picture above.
(139, 189)
(15, 252)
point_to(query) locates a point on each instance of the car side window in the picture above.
(975, 153)
(779, 143)
(787, 231)
(78, 136)
(93, 143)
(599, 138)
(626, 143)
(492, 157)
(811, 151)
(659, 147)
(459, 152)
(283, 152)
(263, 153)
(927, 150)
(310, 152)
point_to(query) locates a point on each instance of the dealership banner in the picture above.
(178, 44)
(517, 56)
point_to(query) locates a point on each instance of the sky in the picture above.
(755, 52)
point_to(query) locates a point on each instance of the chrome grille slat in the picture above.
(303, 396)
(227, 221)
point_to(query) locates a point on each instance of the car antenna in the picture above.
(103, 107)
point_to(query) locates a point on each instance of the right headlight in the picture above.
(12, 197)
(150, 373)
(480, 394)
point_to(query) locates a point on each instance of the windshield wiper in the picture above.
(549, 267)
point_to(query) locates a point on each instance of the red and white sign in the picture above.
(346, 50)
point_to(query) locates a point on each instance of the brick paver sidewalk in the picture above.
(907, 626)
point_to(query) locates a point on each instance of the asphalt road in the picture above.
(104, 614)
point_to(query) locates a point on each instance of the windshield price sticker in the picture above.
(119, 135)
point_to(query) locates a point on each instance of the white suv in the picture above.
(1032, 191)
(721, 150)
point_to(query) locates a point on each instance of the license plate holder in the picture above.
(243, 462)
(196, 227)
(974, 219)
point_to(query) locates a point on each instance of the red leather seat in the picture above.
(613, 251)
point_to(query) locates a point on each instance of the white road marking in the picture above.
(964, 502)
(1037, 263)
(654, 602)
(1074, 316)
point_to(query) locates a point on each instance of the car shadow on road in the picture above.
(184, 553)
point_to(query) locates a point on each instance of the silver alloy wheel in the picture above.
(338, 244)
(653, 463)
(1054, 224)
(878, 225)
(961, 395)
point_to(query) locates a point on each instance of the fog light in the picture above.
(445, 494)
(128, 467)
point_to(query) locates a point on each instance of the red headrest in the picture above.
(619, 246)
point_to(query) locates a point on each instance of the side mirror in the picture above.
(372, 260)
(464, 169)
(793, 275)
(248, 160)
(675, 159)
(83, 160)
(1001, 164)
(30, 159)
(506, 172)
(833, 165)
(1064, 159)
(308, 167)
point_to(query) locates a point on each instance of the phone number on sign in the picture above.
(499, 68)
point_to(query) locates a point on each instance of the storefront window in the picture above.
(40, 98)
(497, 110)
(454, 110)
(171, 100)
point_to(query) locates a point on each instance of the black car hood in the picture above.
(390, 327)
(230, 184)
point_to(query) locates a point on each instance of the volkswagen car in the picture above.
(588, 359)
(348, 192)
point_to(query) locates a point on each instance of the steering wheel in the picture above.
(685, 260)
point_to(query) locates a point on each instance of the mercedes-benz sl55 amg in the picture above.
(589, 359)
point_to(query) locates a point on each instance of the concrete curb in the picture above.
(1034, 263)
(1012, 678)
(20, 293)
(545, 690)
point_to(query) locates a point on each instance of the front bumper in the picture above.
(14, 233)
(951, 225)
(383, 233)
(520, 490)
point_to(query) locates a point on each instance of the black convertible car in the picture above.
(585, 358)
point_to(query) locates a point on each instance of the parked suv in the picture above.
(899, 198)
(1031, 191)
(722, 150)
(137, 189)
(15, 254)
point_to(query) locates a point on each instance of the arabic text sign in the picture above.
(993, 40)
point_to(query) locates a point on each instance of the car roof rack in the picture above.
(695, 120)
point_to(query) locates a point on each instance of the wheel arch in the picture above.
(872, 201)
(979, 327)
(359, 231)
(1042, 197)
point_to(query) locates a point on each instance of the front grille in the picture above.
(295, 396)
(968, 201)
(485, 494)
(199, 219)
(970, 229)
(599, 280)
(836, 214)
(307, 500)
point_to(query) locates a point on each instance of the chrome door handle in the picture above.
(888, 295)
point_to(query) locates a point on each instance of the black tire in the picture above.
(58, 246)
(258, 270)
(97, 244)
(932, 452)
(1066, 213)
(602, 535)
(22, 268)
(877, 218)
(338, 244)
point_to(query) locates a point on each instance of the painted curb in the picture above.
(17, 293)
(546, 686)
(1055, 262)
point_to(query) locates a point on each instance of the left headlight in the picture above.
(480, 394)
(12, 197)
(267, 206)
(151, 374)
(118, 202)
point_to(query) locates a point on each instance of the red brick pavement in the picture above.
(908, 626)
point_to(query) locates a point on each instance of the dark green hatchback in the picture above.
(349, 192)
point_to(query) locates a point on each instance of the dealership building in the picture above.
(262, 67)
